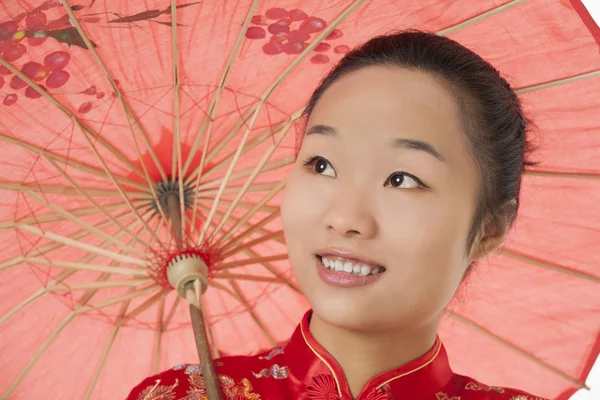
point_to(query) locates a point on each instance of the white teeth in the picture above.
(348, 267)
(339, 266)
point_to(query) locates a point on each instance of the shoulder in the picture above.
(185, 381)
(469, 389)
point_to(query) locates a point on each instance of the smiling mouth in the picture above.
(340, 264)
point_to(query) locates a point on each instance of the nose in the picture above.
(350, 215)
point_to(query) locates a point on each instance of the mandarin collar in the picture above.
(422, 377)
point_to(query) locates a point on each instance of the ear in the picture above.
(492, 232)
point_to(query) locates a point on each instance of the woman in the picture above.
(409, 172)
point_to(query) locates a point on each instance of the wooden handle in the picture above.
(213, 386)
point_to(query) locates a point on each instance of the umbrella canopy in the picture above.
(111, 108)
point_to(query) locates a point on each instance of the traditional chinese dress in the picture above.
(302, 369)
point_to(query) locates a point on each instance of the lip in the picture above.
(343, 279)
(355, 259)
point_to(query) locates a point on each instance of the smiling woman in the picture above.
(409, 172)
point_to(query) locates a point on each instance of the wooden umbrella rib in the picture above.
(99, 207)
(177, 154)
(51, 247)
(529, 259)
(86, 266)
(516, 349)
(271, 166)
(172, 313)
(83, 246)
(77, 221)
(53, 217)
(99, 285)
(213, 106)
(65, 190)
(257, 169)
(115, 300)
(251, 261)
(253, 314)
(80, 165)
(228, 251)
(275, 272)
(558, 82)
(158, 337)
(85, 128)
(248, 277)
(144, 306)
(568, 175)
(126, 110)
(480, 17)
(116, 184)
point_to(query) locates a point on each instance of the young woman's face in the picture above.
(384, 180)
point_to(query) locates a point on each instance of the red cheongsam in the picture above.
(302, 369)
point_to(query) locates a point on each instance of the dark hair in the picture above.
(491, 112)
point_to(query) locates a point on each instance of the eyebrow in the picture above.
(414, 144)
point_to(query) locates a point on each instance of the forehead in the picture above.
(389, 102)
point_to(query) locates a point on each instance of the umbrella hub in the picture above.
(170, 187)
(187, 268)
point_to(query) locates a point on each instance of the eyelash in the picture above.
(312, 160)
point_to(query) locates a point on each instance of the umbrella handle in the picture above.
(213, 386)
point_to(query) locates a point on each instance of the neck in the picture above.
(362, 354)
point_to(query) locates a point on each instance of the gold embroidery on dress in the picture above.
(159, 392)
(444, 396)
(475, 386)
(245, 392)
(523, 397)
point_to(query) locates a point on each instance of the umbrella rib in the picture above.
(265, 96)
(479, 17)
(172, 312)
(50, 247)
(251, 261)
(516, 255)
(558, 82)
(276, 273)
(252, 313)
(86, 266)
(271, 166)
(80, 165)
(259, 167)
(100, 285)
(126, 110)
(94, 202)
(251, 213)
(253, 228)
(83, 246)
(208, 120)
(52, 217)
(248, 277)
(144, 306)
(266, 134)
(554, 174)
(247, 245)
(77, 221)
(513, 347)
(177, 155)
(65, 190)
(158, 337)
(85, 129)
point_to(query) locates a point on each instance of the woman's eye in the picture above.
(320, 166)
(403, 180)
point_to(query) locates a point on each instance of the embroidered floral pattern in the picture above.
(444, 396)
(197, 390)
(523, 397)
(178, 367)
(475, 386)
(275, 352)
(159, 392)
(274, 371)
(377, 394)
(242, 391)
(322, 388)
